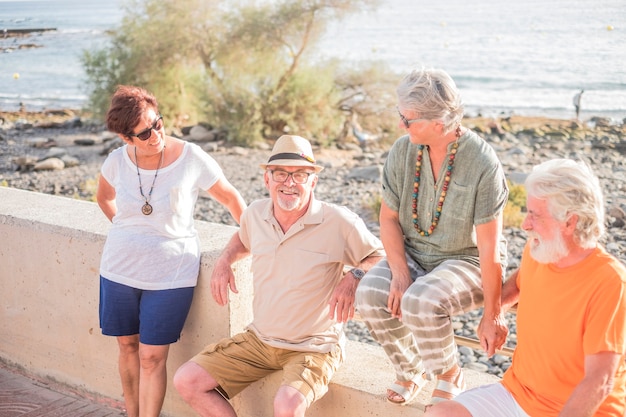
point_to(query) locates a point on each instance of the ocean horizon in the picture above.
(528, 58)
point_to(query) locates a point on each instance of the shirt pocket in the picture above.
(459, 204)
(310, 270)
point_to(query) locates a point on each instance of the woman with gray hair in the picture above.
(443, 192)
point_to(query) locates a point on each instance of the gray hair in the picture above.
(433, 95)
(570, 187)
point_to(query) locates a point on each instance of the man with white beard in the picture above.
(571, 314)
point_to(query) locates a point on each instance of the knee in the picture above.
(447, 409)
(128, 346)
(423, 300)
(186, 380)
(181, 382)
(369, 294)
(151, 359)
(289, 402)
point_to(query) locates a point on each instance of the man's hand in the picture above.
(222, 279)
(342, 300)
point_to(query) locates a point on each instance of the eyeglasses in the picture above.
(299, 177)
(146, 133)
(406, 122)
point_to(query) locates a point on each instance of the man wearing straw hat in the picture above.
(302, 297)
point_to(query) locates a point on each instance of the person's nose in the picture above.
(526, 224)
(289, 181)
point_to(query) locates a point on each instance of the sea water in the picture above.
(524, 57)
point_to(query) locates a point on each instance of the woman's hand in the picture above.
(492, 333)
(397, 288)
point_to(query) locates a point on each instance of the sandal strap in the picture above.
(402, 391)
(449, 388)
(409, 393)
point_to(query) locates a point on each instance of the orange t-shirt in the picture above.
(563, 315)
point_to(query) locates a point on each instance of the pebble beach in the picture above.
(60, 153)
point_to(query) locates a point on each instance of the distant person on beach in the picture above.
(443, 193)
(576, 101)
(302, 297)
(571, 314)
(151, 258)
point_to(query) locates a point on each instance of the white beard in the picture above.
(288, 204)
(547, 251)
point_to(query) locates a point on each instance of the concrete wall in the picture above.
(50, 251)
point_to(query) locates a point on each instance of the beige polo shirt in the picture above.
(296, 272)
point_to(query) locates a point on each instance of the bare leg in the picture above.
(447, 409)
(289, 402)
(128, 364)
(152, 379)
(197, 387)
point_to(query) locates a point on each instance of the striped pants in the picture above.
(423, 341)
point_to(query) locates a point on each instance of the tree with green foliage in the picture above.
(248, 67)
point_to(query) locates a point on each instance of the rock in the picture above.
(617, 212)
(477, 366)
(25, 163)
(85, 142)
(371, 173)
(55, 153)
(49, 164)
(37, 142)
(199, 133)
(69, 161)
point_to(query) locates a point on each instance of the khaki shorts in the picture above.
(243, 359)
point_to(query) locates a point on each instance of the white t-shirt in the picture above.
(161, 250)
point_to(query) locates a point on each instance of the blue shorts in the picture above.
(157, 316)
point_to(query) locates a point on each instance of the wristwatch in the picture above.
(358, 273)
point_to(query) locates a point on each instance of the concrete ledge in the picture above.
(357, 390)
(49, 260)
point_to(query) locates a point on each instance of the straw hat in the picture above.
(294, 151)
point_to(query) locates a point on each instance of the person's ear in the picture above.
(126, 139)
(266, 179)
(570, 223)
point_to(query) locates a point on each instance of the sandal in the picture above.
(407, 392)
(447, 390)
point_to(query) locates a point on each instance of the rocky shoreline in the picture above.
(61, 153)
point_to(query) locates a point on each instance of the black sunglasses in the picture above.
(146, 133)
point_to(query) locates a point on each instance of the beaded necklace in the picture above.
(444, 189)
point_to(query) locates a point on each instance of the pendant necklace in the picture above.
(444, 188)
(147, 208)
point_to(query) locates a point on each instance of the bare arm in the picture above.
(393, 241)
(595, 386)
(105, 196)
(510, 291)
(492, 329)
(228, 196)
(342, 300)
(222, 277)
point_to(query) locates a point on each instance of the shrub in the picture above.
(248, 68)
(515, 207)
